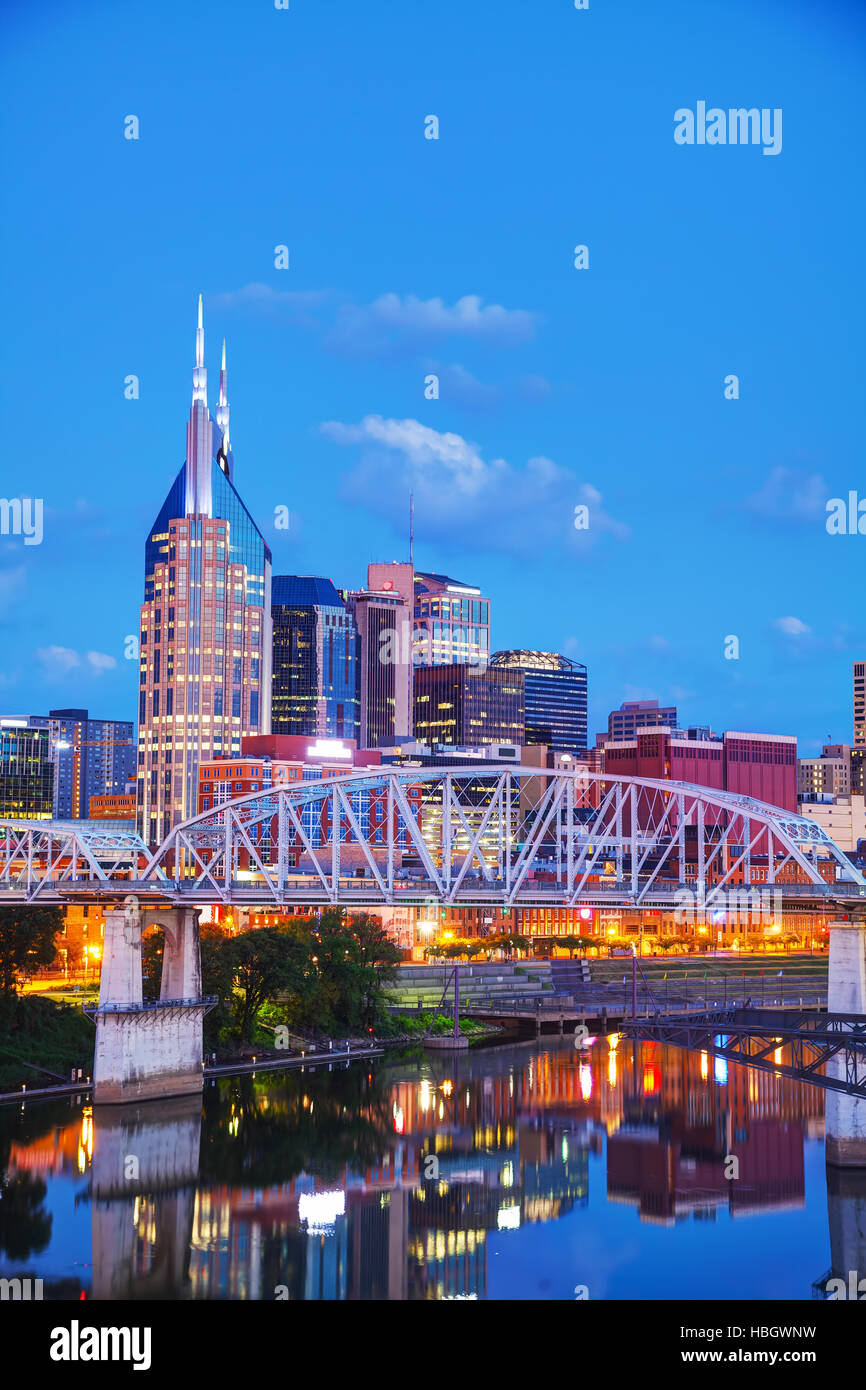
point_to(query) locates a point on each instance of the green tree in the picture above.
(355, 960)
(26, 942)
(262, 964)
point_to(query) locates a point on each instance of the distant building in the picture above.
(828, 775)
(26, 771)
(859, 704)
(315, 688)
(121, 807)
(451, 622)
(555, 696)
(414, 753)
(763, 766)
(383, 620)
(623, 723)
(270, 760)
(468, 705)
(843, 818)
(92, 757)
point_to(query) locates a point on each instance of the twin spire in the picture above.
(199, 382)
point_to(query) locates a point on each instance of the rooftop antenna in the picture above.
(412, 531)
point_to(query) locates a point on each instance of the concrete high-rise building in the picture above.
(555, 695)
(315, 689)
(638, 714)
(383, 620)
(26, 770)
(859, 704)
(829, 775)
(205, 666)
(92, 757)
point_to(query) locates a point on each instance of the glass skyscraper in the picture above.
(26, 770)
(205, 650)
(315, 660)
(555, 697)
(468, 705)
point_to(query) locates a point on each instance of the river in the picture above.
(525, 1171)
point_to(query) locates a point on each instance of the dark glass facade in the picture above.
(315, 660)
(469, 705)
(555, 695)
(26, 773)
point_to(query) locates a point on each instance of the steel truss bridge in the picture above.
(469, 836)
(756, 1036)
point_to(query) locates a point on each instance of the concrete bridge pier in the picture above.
(145, 1167)
(845, 1116)
(147, 1050)
(846, 1210)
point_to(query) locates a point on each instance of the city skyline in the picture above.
(223, 458)
(558, 387)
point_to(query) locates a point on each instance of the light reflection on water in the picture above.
(514, 1172)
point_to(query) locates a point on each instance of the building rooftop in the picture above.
(535, 661)
(304, 591)
(423, 582)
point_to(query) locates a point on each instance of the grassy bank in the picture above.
(36, 1032)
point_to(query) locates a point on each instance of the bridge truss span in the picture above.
(501, 834)
(479, 835)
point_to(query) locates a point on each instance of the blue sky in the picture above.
(454, 256)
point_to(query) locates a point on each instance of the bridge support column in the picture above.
(149, 1049)
(181, 960)
(845, 1116)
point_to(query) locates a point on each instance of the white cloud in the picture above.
(496, 505)
(392, 319)
(790, 495)
(56, 661)
(792, 627)
(265, 299)
(100, 661)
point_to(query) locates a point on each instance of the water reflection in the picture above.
(427, 1177)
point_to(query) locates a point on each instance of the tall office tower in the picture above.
(205, 670)
(26, 770)
(452, 622)
(859, 704)
(555, 693)
(638, 714)
(383, 620)
(92, 757)
(468, 705)
(315, 660)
